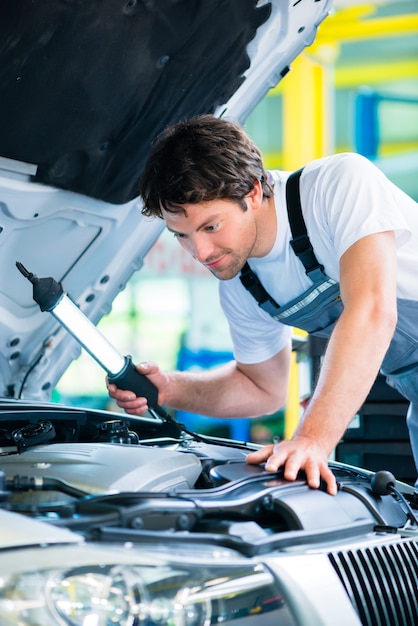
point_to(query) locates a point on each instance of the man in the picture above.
(206, 179)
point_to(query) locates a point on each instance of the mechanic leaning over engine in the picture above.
(345, 267)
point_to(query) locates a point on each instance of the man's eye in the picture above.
(212, 228)
(178, 235)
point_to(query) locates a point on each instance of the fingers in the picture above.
(259, 456)
(127, 400)
(147, 367)
(330, 480)
(294, 456)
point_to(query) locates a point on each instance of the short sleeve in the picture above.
(256, 336)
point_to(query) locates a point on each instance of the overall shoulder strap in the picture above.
(253, 284)
(300, 243)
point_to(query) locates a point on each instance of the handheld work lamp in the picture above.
(121, 371)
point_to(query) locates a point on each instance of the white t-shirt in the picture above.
(344, 198)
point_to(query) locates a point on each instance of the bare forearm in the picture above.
(351, 363)
(224, 391)
(230, 390)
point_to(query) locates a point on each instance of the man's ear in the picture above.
(255, 196)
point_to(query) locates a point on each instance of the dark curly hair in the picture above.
(197, 160)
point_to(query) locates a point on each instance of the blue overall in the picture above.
(318, 308)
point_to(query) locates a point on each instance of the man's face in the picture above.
(220, 234)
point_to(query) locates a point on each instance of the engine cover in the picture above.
(105, 467)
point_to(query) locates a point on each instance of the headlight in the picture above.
(134, 594)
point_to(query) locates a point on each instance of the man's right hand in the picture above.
(128, 401)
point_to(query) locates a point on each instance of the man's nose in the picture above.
(201, 248)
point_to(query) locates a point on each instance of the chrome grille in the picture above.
(381, 582)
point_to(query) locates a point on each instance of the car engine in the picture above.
(112, 478)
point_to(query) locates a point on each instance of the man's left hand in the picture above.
(300, 453)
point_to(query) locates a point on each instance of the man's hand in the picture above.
(131, 403)
(300, 453)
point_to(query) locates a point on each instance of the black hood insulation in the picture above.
(86, 85)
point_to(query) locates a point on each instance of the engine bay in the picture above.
(116, 478)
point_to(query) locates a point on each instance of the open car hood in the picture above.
(86, 87)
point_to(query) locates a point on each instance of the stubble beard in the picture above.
(234, 267)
